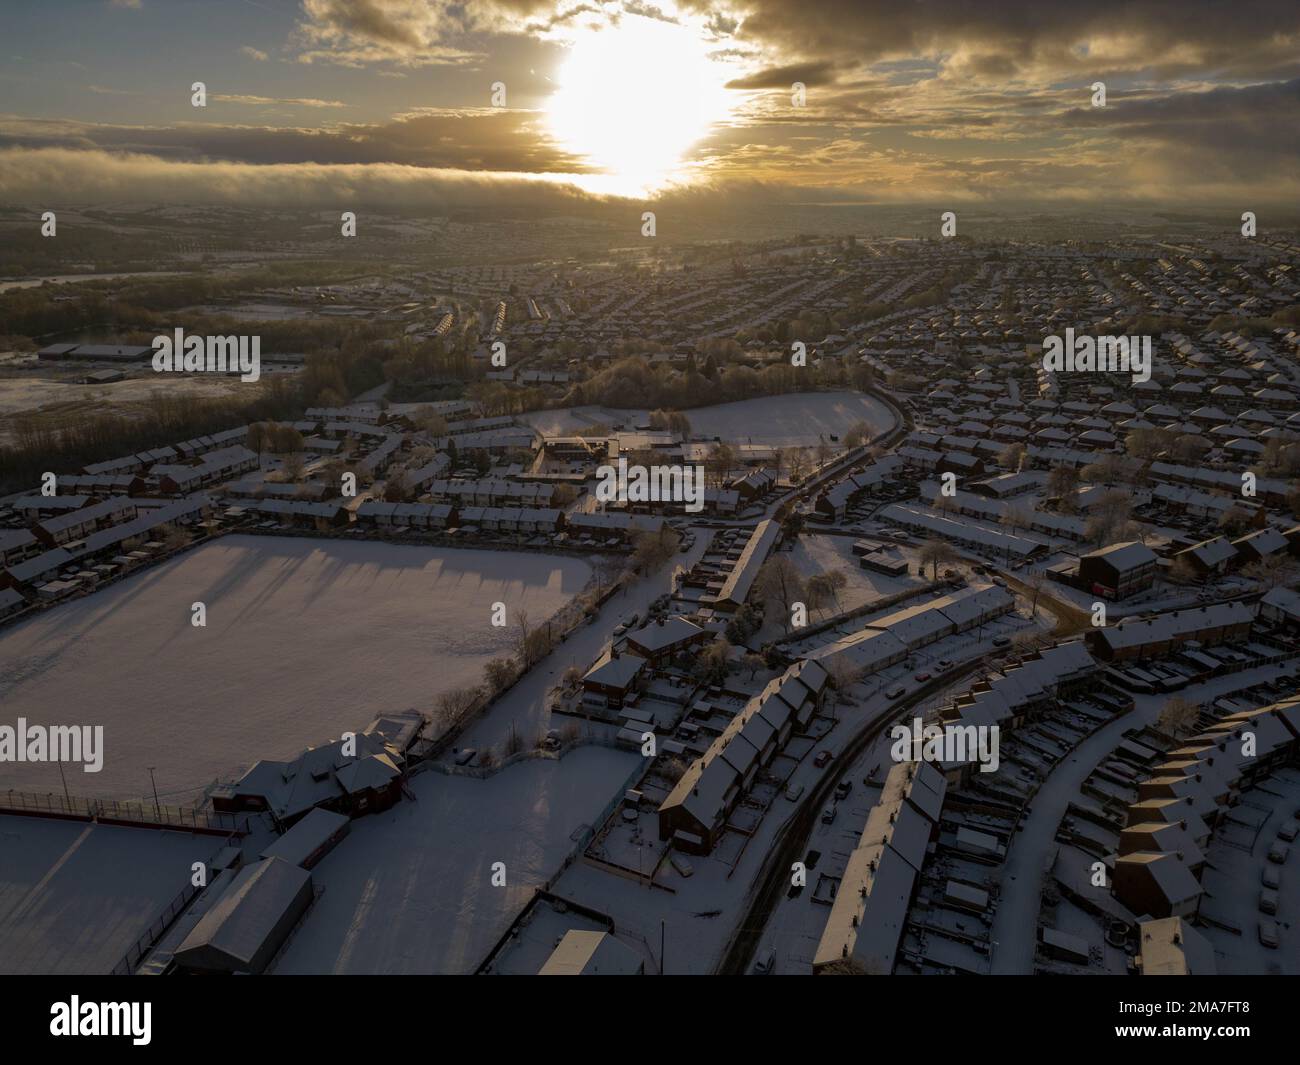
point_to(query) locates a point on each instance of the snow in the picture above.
(74, 896)
(305, 639)
(409, 890)
(800, 418)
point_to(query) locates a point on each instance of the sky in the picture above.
(431, 103)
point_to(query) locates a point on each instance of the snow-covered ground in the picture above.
(74, 897)
(304, 639)
(410, 891)
(801, 418)
(814, 554)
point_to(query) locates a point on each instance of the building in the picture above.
(666, 637)
(740, 581)
(310, 839)
(1170, 946)
(1144, 637)
(1209, 557)
(1118, 571)
(882, 874)
(694, 815)
(613, 679)
(249, 922)
(355, 776)
(582, 952)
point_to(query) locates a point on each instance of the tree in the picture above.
(753, 662)
(711, 663)
(1272, 571)
(1178, 715)
(780, 582)
(498, 674)
(933, 552)
(1035, 582)
(1063, 482)
(1012, 457)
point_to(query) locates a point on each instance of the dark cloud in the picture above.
(821, 73)
(494, 140)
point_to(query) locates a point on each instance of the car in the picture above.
(620, 629)
(1268, 936)
(465, 755)
(1271, 878)
(1289, 831)
(922, 677)
(823, 757)
(811, 859)
(1001, 641)
(766, 964)
(1268, 901)
(945, 663)
(552, 740)
(999, 582)
(828, 815)
(793, 792)
(896, 692)
(1277, 854)
(843, 788)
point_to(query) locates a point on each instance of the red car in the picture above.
(923, 676)
(822, 758)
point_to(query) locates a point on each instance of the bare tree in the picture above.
(933, 552)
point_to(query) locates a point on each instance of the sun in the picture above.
(632, 100)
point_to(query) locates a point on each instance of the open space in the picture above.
(304, 639)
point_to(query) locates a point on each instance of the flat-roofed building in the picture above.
(583, 952)
(1118, 571)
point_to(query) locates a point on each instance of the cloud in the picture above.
(265, 101)
(253, 53)
(60, 175)
(495, 139)
(819, 73)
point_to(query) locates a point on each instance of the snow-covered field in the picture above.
(814, 554)
(799, 419)
(74, 897)
(304, 639)
(409, 890)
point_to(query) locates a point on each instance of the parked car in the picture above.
(1268, 933)
(823, 757)
(922, 677)
(843, 788)
(896, 692)
(828, 815)
(466, 755)
(793, 792)
(1277, 854)
(766, 964)
(1289, 831)
(1268, 901)
(945, 663)
(1271, 878)
(1001, 641)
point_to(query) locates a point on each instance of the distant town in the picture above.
(389, 651)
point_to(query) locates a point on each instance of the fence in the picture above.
(110, 811)
(149, 938)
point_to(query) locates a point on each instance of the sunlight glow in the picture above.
(633, 99)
